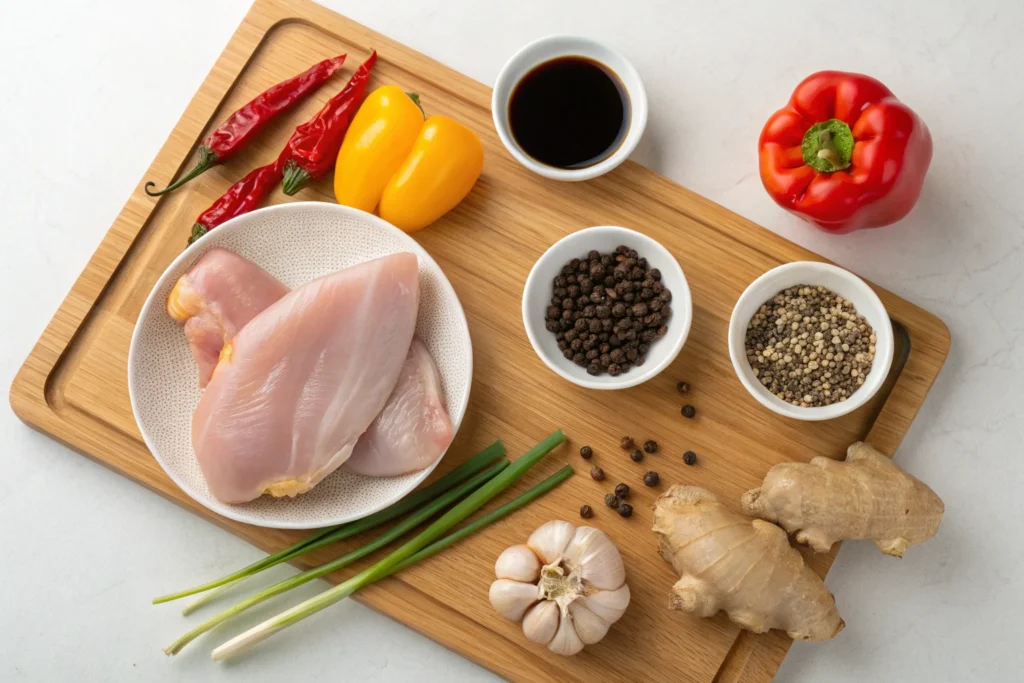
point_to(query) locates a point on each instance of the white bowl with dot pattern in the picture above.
(845, 284)
(295, 243)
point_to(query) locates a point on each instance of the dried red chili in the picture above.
(242, 197)
(313, 148)
(242, 126)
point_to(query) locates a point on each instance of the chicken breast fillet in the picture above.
(302, 381)
(215, 299)
(413, 429)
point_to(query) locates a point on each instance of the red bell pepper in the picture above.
(844, 153)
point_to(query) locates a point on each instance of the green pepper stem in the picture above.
(415, 97)
(295, 178)
(828, 146)
(207, 160)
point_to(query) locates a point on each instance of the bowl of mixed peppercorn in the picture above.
(811, 341)
(607, 308)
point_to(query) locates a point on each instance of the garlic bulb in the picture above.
(567, 585)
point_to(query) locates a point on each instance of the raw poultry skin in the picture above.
(299, 384)
(413, 429)
(219, 294)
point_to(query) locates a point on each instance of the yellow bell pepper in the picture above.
(412, 171)
(377, 142)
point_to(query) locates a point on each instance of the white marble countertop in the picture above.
(90, 90)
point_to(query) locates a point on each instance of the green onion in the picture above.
(390, 563)
(491, 517)
(334, 534)
(399, 530)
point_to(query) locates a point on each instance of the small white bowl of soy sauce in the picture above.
(569, 108)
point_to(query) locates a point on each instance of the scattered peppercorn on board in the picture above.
(73, 386)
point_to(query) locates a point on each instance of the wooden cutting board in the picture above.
(73, 385)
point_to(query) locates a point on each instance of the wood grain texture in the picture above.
(73, 385)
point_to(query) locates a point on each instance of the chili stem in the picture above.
(386, 566)
(295, 178)
(399, 530)
(207, 160)
(334, 534)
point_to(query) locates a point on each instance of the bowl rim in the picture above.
(510, 74)
(630, 379)
(238, 223)
(880, 366)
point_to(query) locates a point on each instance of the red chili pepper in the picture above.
(313, 148)
(844, 153)
(242, 126)
(242, 197)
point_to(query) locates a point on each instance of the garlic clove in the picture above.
(600, 561)
(518, 563)
(541, 622)
(589, 627)
(511, 599)
(608, 605)
(566, 642)
(550, 539)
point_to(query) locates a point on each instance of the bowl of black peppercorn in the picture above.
(607, 308)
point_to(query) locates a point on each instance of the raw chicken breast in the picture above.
(413, 430)
(298, 385)
(219, 294)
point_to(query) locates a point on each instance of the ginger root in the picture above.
(867, 496)
(743, 566)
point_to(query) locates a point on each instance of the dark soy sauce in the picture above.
(570, 112)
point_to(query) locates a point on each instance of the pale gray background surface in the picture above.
(90, 91)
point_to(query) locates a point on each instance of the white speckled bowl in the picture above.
(845, 284)
(296, 243)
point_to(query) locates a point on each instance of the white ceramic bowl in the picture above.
(537, 297)
(843, 283)
(553, 47)
(296, 243)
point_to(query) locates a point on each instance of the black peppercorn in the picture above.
(682, 387)
(612, 501)
(610, 302)
(690, 458)
(651, 446)
(596, 473)
(586, 452)
(689, 411)
(651, 478)
(622, 491)
(626, 510)
(637, 455)
(586, 512)
(626, 443)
